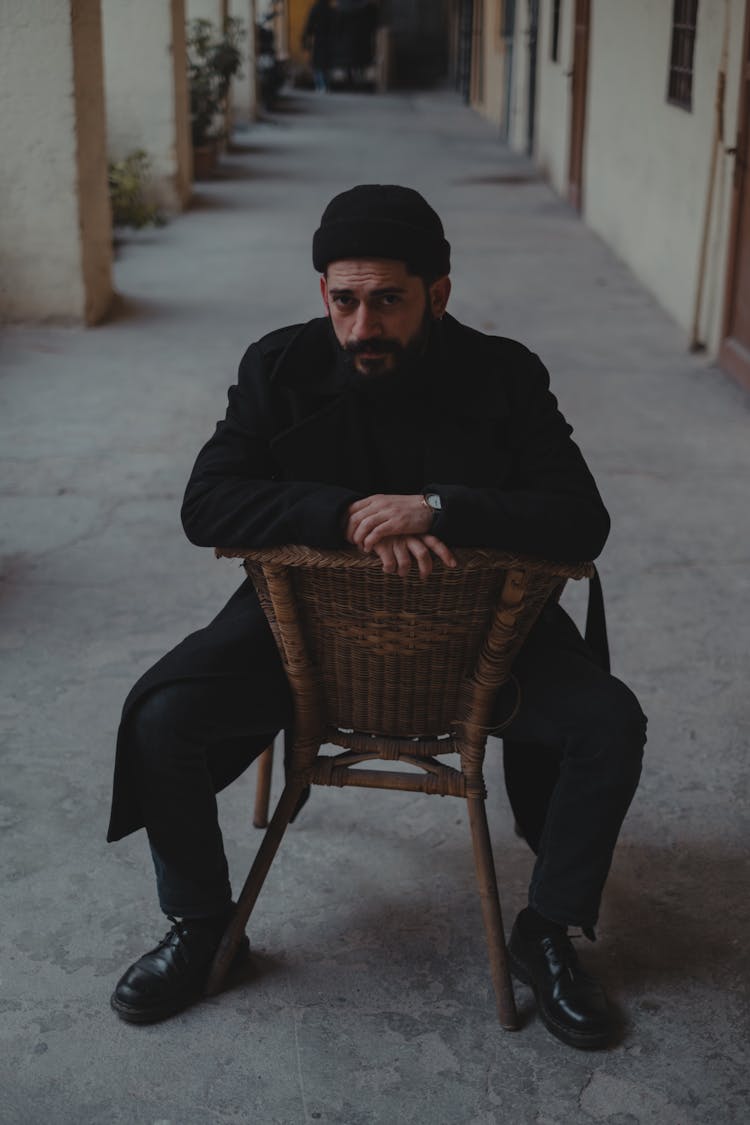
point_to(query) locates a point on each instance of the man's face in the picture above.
(380, 313)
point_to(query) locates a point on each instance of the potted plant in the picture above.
(130, 191)
(213, 60)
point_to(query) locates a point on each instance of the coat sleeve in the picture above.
(551, 507)
(234, 497)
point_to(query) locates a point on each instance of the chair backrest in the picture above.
(408, 658)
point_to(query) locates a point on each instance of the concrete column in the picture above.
(55, 220)
(181, 93)
(147, 95)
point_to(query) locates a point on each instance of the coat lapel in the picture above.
(320, 444)
(468, 412)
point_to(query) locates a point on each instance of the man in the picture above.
(389, 426)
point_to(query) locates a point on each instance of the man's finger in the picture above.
(384, 551)
(365, 503)
(403, 557)
(421, 554)
(371, 528)
(439, 548)
(351, 527)
(380, 531)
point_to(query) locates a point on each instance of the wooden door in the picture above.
(579, 76)
(533, 43)
(465, 46)
(734, 355)
(508, 38)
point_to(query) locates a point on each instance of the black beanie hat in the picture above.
(382, 221)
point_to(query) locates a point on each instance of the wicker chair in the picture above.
(405, 670)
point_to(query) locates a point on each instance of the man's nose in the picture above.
(366, 323)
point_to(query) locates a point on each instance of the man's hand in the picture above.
(376, 518)
(396, 553)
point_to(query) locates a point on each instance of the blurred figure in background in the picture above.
(318, 37)
(353, 51)
(362, 26)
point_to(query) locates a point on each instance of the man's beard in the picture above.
(405, 355)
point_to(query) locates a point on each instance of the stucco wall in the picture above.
(204, 10)
(646, 163)
(243, 86)
(140, 57)
(298, 12)
(54, 253)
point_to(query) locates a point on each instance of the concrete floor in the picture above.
(369, 1000)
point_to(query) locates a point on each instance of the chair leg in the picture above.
(252, 888)
(263, 788)
(493, 920)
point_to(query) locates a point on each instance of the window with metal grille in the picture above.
(684, 21)
(554, 43)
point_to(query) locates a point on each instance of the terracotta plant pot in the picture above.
(205, 158)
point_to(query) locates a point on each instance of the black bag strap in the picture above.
(596, 622)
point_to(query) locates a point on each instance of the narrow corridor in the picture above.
(372, 1002)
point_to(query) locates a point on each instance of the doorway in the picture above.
(533, 41)
(734, 354)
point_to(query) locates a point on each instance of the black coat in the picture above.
(300, 442)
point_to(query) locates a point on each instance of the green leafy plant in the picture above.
(213, 61)
(128, 191)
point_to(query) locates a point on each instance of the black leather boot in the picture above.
(173, 975)
(571, 1004)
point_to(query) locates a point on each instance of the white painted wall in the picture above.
(55, 227)
(552, 140)
(205, 10)
(646, 163)
(140, 59)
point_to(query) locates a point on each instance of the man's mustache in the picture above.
(378, 346)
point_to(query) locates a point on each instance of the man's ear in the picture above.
(324, 293)
(440, 291)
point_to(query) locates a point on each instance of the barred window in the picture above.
(554, 43)
(684, 20)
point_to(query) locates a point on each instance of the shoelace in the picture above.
(178, 929)
(561, 955)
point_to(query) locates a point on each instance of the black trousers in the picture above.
(572, 763)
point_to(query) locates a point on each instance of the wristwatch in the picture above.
(432, 501)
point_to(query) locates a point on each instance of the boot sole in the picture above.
(155, 1014)
(592, 1040)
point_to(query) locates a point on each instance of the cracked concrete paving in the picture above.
(369, 1000)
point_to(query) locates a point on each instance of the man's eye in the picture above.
(343, 302)
(390, 299)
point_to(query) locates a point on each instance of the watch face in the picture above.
(433, 500)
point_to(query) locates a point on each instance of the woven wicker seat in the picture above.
(400, 669)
